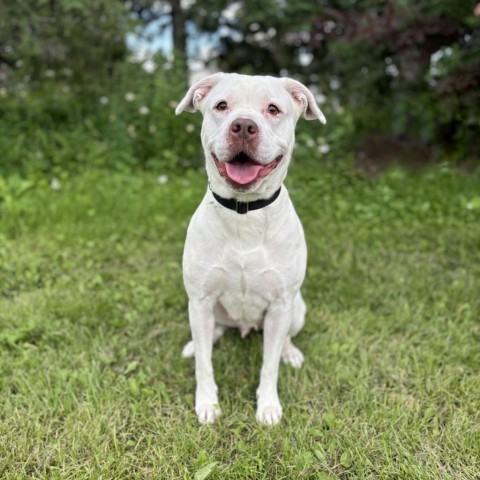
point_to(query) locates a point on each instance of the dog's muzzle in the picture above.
(243, 170)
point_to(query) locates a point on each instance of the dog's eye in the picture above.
(221, 106)
(273, 109)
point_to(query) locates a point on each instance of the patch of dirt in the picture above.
(377, 153)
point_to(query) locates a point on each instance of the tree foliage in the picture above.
(72, 95)
(77, 39)
(408, 67)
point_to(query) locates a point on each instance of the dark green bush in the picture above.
(129, 122)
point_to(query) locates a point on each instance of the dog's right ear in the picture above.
(303, 96)
(197, 92)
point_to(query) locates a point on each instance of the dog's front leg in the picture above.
(275, 330)
(202, 324)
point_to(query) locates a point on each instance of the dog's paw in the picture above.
(207, 412)
(269, 414)
(188, 350)
(291, 355)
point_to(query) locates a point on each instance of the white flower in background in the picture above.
(173, 104)
(190, 128)
(3, 92)
(310, 143)
(66, 89)
(473, 204)
(130, 96)
(323, 149)
(305, 58)
(230, 13)
(50, 73)
(68, 72)
(131, 130)
(104, 100)
(392, 70)
(55, 184)
(320, 98)
(162, 179)
(144, 110)
(335, 83)
(152, 128)
(337, 106)
(149, 66)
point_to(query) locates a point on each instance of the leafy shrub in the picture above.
(128, 122)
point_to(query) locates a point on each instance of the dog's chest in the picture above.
(245, 284)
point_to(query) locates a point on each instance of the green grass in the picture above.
(93, 319)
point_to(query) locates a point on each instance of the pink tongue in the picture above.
(242, 173)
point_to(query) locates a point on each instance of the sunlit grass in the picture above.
(93, 318)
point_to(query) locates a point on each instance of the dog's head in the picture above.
(248, 129)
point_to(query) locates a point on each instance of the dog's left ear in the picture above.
(197, 92)
(302, 95)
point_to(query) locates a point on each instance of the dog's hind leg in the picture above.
(291, 355)
(188, 350)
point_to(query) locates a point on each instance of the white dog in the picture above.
(245, 253)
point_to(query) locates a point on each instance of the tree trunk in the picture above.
(179, 41)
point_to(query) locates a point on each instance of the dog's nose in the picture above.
(244, 128)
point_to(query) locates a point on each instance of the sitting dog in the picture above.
(245, 254)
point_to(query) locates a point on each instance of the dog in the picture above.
(245, 253)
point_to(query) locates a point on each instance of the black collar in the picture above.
(244, 207)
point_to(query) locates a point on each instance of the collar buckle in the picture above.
(241, 207)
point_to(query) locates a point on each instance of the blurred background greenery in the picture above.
(87, 82)
(98, 180)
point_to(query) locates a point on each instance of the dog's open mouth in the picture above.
(244, 170)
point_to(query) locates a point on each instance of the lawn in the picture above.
(93, 318)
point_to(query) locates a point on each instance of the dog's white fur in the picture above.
(245, 271)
